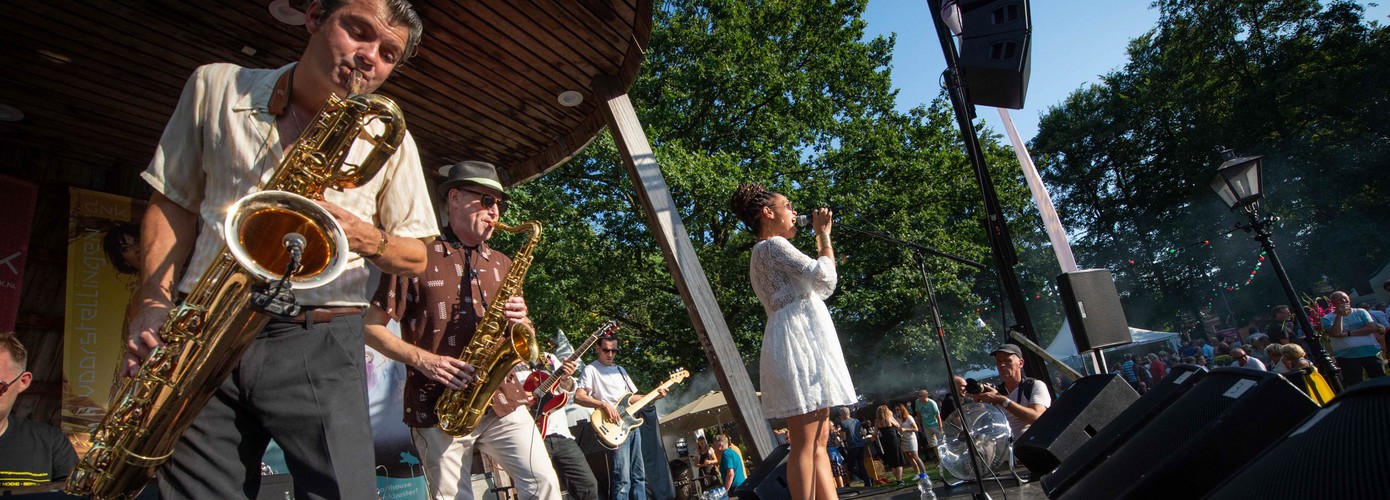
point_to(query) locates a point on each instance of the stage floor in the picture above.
(1012, 490)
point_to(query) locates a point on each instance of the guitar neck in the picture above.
(634, 407)
(550, 383)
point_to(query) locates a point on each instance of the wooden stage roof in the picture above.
(97, 80)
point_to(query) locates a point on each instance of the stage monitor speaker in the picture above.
(1342, 451)
(1077, 415)
(1189, 448)
(994, 51)
(1093, 309)
(1179, 379)
(769, 480)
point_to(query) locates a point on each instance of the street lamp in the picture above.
(1239, 184)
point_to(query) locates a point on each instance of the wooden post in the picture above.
(665, 223)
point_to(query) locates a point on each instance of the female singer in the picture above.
(803, 370)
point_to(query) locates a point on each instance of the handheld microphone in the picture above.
(803, 220)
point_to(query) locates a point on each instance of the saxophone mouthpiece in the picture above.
(356, 83)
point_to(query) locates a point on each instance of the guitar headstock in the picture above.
(679, 375)
(608, 328)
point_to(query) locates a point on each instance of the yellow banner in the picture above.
(103, 274)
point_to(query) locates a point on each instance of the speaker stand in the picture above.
(919, 253)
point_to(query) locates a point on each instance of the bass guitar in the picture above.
(542, 384)
(611, 433)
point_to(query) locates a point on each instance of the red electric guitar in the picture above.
(541, 383)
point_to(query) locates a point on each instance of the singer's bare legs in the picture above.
(808, 464)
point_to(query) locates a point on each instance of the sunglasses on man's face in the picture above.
(5, 386)
(608, 351)
(489, 200)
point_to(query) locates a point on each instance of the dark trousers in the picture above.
(573, 468)
(854, 459)
(1352, 367)
(304, 387)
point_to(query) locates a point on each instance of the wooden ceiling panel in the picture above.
(97, 80)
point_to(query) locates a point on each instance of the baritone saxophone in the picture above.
(250, 279)
(497, 346)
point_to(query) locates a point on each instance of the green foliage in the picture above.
(1223, 360)
(789, 94)
(1130, 159)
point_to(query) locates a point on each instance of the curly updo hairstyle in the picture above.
(748, 203)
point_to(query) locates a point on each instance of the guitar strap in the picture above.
(627, 380)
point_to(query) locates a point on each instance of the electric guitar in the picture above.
(541, 383)
(612, 434)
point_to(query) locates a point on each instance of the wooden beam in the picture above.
(665, 222)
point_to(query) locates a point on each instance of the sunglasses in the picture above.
(489, 201)
(609, 351)
(5, 386)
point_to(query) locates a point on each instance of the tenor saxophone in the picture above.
(207, 334)
(497, 346)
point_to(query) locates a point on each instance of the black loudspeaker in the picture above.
(768, 481)
(1180, 378)
(1077, 415)
(994, 51)
(1187, 450)
(1093, 309)
(276, 487)
(1342, 451)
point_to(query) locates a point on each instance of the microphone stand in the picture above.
(921, 251)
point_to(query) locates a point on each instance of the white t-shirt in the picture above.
(606, 383)
(1039, 396)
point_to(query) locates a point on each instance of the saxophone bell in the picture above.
(258, 221)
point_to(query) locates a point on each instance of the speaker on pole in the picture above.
(1180, 378)
(1093, 309)
(1220, 424)
(1077, 415)
(1342, 451)
(994, 51)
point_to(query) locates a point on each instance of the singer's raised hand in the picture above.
(821, 220)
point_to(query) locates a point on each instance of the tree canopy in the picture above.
(1130, 159)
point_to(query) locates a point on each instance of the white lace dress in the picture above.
(802, 367)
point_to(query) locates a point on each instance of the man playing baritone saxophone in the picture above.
(439, 312)
(300, 382)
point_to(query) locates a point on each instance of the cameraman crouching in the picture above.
(1024, 400)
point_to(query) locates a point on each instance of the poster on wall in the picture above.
(103, 274)
(18, 207)
(400, 475)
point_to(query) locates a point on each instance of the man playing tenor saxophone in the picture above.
(439, 312)
(300, 381)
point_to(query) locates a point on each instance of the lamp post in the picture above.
(1239, 184)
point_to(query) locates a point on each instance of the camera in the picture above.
(973, 386)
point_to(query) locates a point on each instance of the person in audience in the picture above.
(1275, 352)
(1243, 360)
(1293, 358)
(1353, 334)
(909, 440)
(31, 453)
(852, 431)
(1157, 368)
(1283, 329)
(1022, 399)
(730, 463)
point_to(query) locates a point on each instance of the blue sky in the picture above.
(1074, 41)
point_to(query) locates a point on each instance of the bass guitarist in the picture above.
(575, 475)
(600, 386)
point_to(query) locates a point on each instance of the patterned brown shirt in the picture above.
(438, 314)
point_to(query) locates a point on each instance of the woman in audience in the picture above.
(909, 433)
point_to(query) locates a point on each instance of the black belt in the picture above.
(325, 314)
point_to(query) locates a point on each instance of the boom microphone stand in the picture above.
(921, 252)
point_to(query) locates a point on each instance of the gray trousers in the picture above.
(302, 385)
